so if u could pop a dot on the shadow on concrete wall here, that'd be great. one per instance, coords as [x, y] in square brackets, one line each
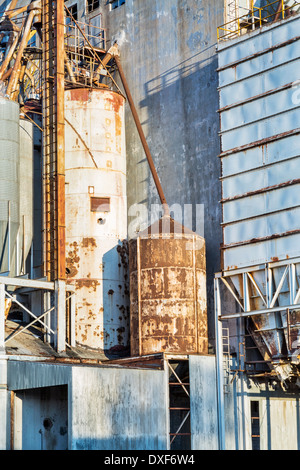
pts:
[182, 121]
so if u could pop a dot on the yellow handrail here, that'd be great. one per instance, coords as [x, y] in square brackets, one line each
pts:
[258, 15]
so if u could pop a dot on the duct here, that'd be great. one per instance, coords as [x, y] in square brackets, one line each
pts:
[33, 9]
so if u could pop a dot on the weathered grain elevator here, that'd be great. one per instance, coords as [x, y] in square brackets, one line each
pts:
[149, 336]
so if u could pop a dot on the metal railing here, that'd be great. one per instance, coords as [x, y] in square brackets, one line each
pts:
[256, 17]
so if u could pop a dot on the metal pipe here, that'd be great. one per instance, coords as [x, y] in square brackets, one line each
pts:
[69, 69]
[11, 7]
[9, 230]
[142, 136]
[9, 55]
[219, 367]
[17, 66]
[110, 53]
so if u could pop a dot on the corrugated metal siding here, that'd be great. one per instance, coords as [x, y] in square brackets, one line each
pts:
[260, 123]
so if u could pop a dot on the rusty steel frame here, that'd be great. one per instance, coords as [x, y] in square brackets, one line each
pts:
[183, 386]
[269, 299]
[63, 295]
[244, 310]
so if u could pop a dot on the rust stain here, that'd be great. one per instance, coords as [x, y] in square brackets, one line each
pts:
[72, 260]
[80, 94]
[89, 242]
[172, 316]
[8, 303]
[116, 101]
[88, 283]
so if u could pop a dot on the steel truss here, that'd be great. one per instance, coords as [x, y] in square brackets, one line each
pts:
[267, 308]
[268, 296]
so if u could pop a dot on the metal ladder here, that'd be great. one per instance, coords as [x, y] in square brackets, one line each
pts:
[53, 138]
[226, 358]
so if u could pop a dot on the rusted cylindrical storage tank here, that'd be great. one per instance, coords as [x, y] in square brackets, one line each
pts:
[167, 290]
[96, 216]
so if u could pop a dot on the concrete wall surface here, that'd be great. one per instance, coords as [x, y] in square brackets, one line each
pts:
[168, 53]
[118, 409]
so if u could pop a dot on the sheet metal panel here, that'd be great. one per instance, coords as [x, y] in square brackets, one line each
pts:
[203, 399]
[119, 409]
[260, 118]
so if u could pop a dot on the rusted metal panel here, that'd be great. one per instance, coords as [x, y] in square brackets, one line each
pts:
[167, 291]
[96, 248]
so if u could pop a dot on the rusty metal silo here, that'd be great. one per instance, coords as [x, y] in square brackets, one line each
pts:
[96, 215]
[168, 290]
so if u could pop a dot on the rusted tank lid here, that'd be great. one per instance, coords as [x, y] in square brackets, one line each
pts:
[167, 226]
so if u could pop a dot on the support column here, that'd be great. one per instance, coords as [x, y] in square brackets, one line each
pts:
[2, 318]
[60, 310]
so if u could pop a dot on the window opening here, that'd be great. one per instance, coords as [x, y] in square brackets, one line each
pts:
[255, 432]
[179, 405]
[116, 3]
[92, 5]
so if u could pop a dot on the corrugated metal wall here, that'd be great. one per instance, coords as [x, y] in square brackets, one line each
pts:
[260, 125]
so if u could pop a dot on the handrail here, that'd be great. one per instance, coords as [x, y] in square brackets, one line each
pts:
[256, 17]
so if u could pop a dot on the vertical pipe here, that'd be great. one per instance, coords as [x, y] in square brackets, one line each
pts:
[2, 318]
[11, 92]
[72, 319]
[60, 122]
[139, 293]
[11, 7]
[12, 419]
[60, 308]
[195, 293]
[241, 334]
[8, 237]
[219, 367]
[9, 55]
[47, 306]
